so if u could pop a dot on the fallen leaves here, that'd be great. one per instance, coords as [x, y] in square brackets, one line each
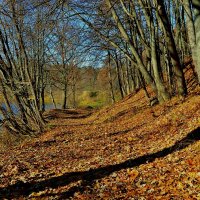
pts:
[105, 140]
[132, 174]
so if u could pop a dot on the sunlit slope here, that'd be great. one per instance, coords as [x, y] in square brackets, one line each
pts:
[128, 150]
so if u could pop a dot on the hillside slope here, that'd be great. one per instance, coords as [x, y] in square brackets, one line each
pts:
[127, 151]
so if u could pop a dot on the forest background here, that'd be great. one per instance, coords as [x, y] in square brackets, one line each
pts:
[90, 53]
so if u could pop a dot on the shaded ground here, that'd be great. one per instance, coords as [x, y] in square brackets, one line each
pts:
[126, 151]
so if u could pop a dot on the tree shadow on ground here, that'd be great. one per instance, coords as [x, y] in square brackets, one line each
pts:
[20, 188]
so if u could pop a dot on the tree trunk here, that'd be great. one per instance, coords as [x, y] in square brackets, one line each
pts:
[43, 98]
[196, 42]
[115, 59]
[110, 78]
[52, 97]
[64, 106]
[180, 79]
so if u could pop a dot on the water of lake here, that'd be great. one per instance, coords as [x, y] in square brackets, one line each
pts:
[15, 109]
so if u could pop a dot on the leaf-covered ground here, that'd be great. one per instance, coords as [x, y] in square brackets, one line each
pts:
[127, 151]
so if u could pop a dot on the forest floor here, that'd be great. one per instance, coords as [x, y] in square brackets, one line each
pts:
[126, 151]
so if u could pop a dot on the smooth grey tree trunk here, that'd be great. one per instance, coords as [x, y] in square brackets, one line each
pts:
[196, 50]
